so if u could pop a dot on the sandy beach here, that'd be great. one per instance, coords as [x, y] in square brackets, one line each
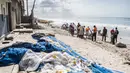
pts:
[103, 53]
[106, 54]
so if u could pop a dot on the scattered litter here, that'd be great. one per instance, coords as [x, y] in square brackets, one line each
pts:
[48, 55]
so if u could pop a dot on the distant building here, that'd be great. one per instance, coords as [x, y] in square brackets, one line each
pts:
[11, 12]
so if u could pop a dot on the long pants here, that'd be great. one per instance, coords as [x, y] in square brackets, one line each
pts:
[72, 32]
[81, 36]
[94, 36]
[104, 38]
[87, 34]
[115, 38]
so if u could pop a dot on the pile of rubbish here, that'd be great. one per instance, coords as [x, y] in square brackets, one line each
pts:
[54, 62]
[48, 55]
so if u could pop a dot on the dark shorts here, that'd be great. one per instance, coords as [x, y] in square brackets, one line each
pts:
[115, 36]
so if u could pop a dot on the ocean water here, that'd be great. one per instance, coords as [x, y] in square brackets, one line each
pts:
[123, 24]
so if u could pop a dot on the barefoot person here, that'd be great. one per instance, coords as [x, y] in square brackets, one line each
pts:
[104, 34]
[94, 33]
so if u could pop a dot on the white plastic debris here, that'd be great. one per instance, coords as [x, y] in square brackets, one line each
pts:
[56, 57]
[30, 61]
[54, 62]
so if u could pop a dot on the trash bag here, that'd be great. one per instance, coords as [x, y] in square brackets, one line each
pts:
[30, 61]
[11, 55]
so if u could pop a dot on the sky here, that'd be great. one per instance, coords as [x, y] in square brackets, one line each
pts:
[81, 8]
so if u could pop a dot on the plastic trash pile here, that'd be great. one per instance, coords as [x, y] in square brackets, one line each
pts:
[54, 62]
[48, 55]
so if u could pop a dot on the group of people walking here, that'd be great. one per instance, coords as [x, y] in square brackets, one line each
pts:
[114, 35]
[88, 33]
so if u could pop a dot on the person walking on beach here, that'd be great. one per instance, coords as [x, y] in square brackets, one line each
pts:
[104, 34]
[112, 36]
[116, 34]
[94, 34]
[71, 29]
[78, 29]
[81, 32]
[87, 32]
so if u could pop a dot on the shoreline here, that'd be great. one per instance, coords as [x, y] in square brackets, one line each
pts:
[99, 37]
[123, 28]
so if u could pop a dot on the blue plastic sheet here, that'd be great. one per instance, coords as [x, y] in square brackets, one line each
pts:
[14, 53]
[11, 55]
[52, 47]
[33, 47]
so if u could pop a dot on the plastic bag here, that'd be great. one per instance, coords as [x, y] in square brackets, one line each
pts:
[30, 61]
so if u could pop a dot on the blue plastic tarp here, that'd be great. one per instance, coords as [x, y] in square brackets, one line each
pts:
[52, 47]
[33, 47]
[11, 55]
[14, 53]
